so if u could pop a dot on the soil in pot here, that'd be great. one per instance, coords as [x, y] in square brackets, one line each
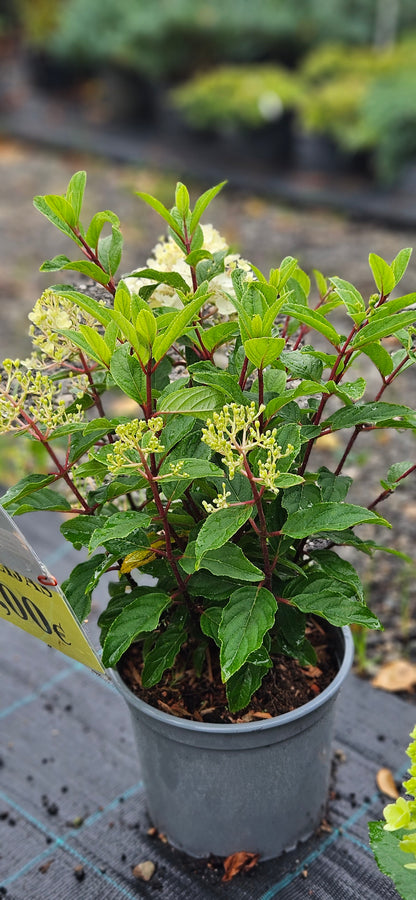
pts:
[287, 686]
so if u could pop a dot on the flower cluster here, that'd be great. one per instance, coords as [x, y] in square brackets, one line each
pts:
[51, 314]
[29, 398]
[168, 257]
[136, 441]
[234, 432]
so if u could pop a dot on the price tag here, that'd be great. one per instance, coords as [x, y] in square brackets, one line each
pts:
[31, 598]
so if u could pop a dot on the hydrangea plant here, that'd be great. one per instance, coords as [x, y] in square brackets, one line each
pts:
[393, 840]
[209, 485]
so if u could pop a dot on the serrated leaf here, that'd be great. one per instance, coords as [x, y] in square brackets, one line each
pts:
[142, 614]
[339, 569]
[391, 860]
[210, 622]
[119, 525]
[78, 530]
[128, 374]
[219, 527]
[373, 413]
[164, 341]
[262, 351]
[75, 587]
[197, 401]
[27, 485]
[80, 265]
[88, 304]
[247, 617]
[228, 560]
[384, 327]
[351, 298]
[44, 499]
[313, 319]
[243, 684]
[336, 608]
[164, 652]
[219, 334]
[328, 516]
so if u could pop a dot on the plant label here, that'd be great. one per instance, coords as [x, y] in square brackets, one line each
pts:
[31, 598]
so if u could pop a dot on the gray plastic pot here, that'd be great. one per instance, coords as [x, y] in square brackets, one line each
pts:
[259, 786]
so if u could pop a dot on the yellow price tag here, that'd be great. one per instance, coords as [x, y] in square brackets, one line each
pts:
[31, 599]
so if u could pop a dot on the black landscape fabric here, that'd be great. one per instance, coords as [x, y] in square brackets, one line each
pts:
[73, 821]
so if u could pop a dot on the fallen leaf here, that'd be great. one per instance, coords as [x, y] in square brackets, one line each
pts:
[386, 783]
[239, 862]
[398, 675]
[45, 866]
[312, 671]
[144, 870]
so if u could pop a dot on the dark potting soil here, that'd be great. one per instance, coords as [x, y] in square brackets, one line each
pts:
[182, 693]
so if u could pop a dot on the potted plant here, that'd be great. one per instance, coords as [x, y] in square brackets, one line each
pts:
[233, 647]
[248, 110]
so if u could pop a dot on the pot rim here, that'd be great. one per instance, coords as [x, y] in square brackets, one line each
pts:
[191, 725]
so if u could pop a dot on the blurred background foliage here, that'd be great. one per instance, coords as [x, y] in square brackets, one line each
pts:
[345, 70]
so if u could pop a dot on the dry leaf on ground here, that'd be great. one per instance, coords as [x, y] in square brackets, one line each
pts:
[398, 675]
[144, 870]
[386, 783]
[239, 862]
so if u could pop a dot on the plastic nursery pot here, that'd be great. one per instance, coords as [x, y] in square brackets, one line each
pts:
[259, 786]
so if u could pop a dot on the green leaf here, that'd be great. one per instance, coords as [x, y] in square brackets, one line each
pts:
[210, 622]
[81, 265]
[219, 334]
[387, 326]
[59, 212]
[128, 374]
[328, 516]
[380, 357]
[78, 529]
[339, 569]
[247, 617]
[110, 250]
[173, 279]
[302, 364]
[219, 527]
[262, 351]
[312, 318]
[198, 401]
[206, 373]
[75, 192]
[164, 341]
[142, 614]
[190, 469]
[164, 651]
[383, 274]
[400, 263]
[44, 499]
[391, 860]
[27, 485]
[373, 413]
[75, 587]
[98, 346]
[96, 226]
[201, 204]
[335, 607]
[243, 684]
[119, 525]
[396, 471]
[159, 208]
[228, 560]
[182, 199]
[88, 304]
[196, 256]
[351, 298]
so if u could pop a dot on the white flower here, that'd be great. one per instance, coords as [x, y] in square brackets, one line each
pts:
[168, 257]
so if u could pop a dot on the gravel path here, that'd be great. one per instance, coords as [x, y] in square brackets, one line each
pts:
[261, 230]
